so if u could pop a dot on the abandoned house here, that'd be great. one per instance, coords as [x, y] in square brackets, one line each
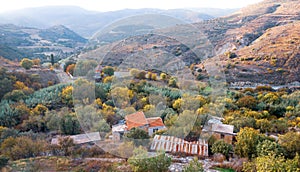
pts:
[220, 131]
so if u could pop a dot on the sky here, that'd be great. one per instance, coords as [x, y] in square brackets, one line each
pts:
[112, 5]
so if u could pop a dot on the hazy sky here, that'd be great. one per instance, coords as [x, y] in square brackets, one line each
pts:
[110, 5]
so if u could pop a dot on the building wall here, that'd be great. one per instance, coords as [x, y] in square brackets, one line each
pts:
[151, 130]
[226, 137]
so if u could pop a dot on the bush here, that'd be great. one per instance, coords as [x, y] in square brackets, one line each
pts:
[26, 63]
[138, 135]
[22, 147]
[222, 147]
[108, 70]
[290, 143]
[247, 101]
[267, 147]
[230, 55]
[247, 140]
[272, 162]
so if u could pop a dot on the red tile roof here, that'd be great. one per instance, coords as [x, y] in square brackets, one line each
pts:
[135, 120]
[138, 119]
[155, 122]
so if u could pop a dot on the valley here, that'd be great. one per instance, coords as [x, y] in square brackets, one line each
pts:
[151, 90]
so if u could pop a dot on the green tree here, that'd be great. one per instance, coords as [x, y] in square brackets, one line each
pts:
[121, 96]
[36, 123]
[291, 143]
[26, 63]
[70, 125]
[247, 140]
[184, 124]
[93, 119]
[8, 115]
[138, 136]
[52, 59]
[53, 119]
[222, 147]
[5, 86]
[137, 133]
[103, 126]
[108, 70]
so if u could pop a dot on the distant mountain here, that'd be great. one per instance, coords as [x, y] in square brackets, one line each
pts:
[86, 23]
[62, 35]
[17, 42]
[216, 12]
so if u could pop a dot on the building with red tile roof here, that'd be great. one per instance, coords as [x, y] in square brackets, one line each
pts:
[138, 120]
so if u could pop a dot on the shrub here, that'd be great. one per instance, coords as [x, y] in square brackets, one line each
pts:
[267, 147]
[230, 54]
[108, 70]
[26, 63]
[247, 101]
[22, 147]
[247, 140]
[222, 147]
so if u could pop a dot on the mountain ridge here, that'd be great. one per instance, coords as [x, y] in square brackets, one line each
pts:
[86, 23]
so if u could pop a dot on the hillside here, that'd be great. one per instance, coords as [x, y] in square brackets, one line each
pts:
[266, 44]
[17, 42]
[273, 58]
[86, 23]
[257, 44]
